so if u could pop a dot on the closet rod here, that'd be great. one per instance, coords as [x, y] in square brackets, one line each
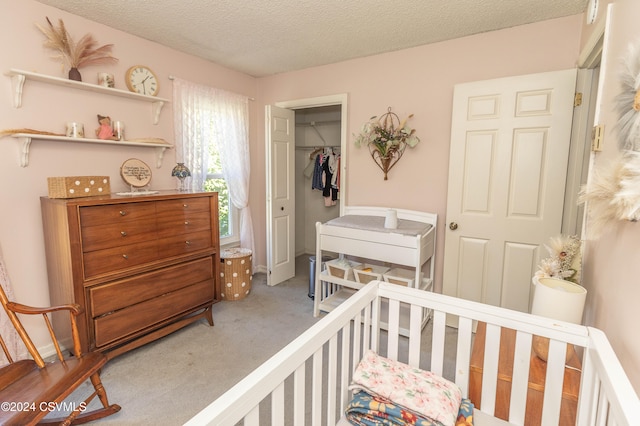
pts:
[314, 123]
[311, 148]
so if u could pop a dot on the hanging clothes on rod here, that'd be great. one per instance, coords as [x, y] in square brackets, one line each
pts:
[309, 168]
[324, 177]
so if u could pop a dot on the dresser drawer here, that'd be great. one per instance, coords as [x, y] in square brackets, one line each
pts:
[176, 224]
[184, 244]
[116, 213]
[184, 205]
[122, 293]
[124, 322]
[115, 259]
[118, 234]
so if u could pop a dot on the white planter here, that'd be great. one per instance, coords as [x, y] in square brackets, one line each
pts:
[558, 299]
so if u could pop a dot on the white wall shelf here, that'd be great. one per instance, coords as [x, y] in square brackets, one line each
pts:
[25, 139]
[18, 77]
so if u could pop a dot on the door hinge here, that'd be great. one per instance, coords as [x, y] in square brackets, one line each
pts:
[577, 99]
[597, 137]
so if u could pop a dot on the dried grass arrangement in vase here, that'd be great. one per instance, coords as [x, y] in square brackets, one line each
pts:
[72, 54]
[386, 137]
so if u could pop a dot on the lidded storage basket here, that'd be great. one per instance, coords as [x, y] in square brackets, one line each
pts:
[236, 273]
[78, 186]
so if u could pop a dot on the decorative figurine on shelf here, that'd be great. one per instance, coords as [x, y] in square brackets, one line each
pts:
[105, 131]
[181, 172]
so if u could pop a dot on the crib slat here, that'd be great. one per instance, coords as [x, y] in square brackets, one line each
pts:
[589, 389]
[345, 376]
[298, 395]
[357, 331]
[437, 342]
[463, 355]
[603, 410]
[316, 389]
[253, 417]
[374, 329]
[490, 369]
[393, 326]
[415, 335]
[332, 372]
[553, 382]
[520, 379]
[368, 339]
[277, 405]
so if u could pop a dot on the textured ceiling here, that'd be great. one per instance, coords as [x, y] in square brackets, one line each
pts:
[265, 37]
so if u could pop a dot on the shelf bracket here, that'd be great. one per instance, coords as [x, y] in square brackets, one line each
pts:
[160, 156]
[157, 108]
[17, 83]
[24, 143]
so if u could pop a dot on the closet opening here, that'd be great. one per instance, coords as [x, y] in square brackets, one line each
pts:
[318, 140]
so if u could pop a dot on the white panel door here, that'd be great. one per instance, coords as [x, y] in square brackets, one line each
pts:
[280, 129]
[507, 169]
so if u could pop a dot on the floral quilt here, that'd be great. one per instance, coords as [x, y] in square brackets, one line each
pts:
[369, 410]
[411, 390]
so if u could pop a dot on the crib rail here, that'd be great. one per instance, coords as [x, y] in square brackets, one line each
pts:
[307, 381]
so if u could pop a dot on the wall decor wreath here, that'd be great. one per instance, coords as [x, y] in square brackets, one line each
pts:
[386, 137]
[613, 192]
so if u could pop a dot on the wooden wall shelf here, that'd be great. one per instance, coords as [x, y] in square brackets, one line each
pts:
[25, 139]
[18, 77]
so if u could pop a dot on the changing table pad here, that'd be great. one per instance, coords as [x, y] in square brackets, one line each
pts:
[376, 223]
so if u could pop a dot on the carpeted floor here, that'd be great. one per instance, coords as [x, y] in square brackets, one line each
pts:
[170, 380]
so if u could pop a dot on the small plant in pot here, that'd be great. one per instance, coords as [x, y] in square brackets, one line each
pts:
[72, 54]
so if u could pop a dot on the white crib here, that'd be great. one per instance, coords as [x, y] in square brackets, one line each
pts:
[306, 382]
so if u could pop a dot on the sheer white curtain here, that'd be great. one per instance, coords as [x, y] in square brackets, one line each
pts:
[204, 115]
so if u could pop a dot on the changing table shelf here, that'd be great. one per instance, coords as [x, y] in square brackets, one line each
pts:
[412, 245]
[347, 288]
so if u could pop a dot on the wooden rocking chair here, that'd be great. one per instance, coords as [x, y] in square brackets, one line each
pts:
[32, 388]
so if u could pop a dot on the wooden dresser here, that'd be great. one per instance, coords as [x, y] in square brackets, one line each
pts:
[140, 266]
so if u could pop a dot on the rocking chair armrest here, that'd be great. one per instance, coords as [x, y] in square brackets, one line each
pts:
[19, 308]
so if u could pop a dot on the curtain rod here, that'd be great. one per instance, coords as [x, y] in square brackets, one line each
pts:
[171, 77]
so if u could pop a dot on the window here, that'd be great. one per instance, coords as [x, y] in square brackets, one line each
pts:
[215, 182]
[212, 130]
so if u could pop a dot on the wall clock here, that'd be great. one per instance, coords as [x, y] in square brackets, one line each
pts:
[141, 79]
[135, 173]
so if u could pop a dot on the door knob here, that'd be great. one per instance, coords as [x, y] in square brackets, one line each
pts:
[453, 226]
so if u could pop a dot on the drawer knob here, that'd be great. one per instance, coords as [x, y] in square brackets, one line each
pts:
[188, 242]
[186, 222]
[123, 213]
[125, 256]
[185, 205]
[123, 233]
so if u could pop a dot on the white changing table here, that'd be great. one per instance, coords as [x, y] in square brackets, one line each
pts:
[412, 246]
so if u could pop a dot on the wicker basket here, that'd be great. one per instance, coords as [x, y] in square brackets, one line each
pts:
[401, 276]
[235, 274]
[342, 268]
[366, 273]
[78, 186]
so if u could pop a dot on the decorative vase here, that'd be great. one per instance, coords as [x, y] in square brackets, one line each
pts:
[74, 74]
[181, 172]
